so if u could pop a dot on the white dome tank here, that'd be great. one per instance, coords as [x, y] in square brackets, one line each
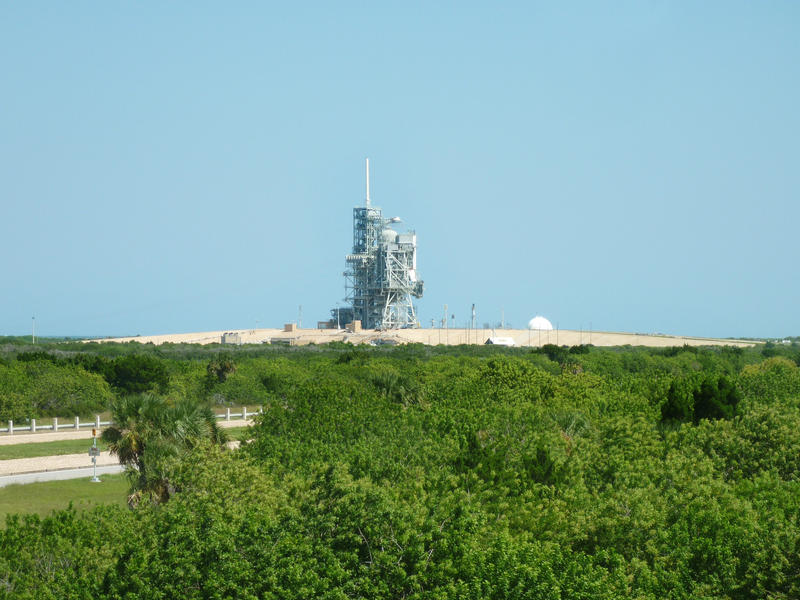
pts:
[539, 323]
[388, 236]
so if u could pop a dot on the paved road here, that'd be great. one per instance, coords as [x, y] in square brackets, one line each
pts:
[57, 475]
[16, 466]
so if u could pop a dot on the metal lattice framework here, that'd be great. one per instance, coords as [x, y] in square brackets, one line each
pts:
[381, 276]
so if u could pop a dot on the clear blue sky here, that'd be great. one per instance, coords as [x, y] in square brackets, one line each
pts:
[190, 166]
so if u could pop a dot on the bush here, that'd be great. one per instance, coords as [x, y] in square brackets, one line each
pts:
[42, 388]
[705, 396]
[137, 373]
[771, 380]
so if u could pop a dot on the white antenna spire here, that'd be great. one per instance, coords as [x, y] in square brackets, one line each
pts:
[367, 182]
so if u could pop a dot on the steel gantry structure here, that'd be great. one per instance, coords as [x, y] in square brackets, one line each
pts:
[381, 277]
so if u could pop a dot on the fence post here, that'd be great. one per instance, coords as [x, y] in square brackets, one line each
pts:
[97, 422]
[55, 424]
[228, 413]
[10, 427]
[244, 413]
[77, 423]
[33, 425]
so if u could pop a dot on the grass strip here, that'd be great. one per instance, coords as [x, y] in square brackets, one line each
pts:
[55, 448]
[42, 498]
[236, 433]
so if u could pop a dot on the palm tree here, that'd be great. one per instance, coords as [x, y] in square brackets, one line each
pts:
[149, 436]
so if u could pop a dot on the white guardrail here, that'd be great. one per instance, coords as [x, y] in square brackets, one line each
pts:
[97, 423]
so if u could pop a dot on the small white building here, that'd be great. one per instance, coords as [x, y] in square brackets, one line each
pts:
[500, 341]
[231, 337]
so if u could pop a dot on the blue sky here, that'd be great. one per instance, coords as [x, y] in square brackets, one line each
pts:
[629, 166]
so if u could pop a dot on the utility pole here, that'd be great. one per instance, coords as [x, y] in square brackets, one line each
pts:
[33, 330]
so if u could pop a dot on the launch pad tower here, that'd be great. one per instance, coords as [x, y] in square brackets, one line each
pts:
[381, 277]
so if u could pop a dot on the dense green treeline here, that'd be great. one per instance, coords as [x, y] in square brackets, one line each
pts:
[71, 378]
[423, 472]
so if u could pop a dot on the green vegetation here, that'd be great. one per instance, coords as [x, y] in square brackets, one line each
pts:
[420, 472]
[43, 498]
[700, 396]
[150, 435]
[238, 433]
[34, 388]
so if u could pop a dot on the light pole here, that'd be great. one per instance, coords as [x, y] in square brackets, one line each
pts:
[33, 330]
[94, 452]
[338, 324]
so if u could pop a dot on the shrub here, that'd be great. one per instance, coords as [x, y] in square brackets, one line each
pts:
[701, 396]
[773, 379]
[137, 373]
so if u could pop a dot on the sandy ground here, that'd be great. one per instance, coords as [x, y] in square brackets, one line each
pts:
[521, 337]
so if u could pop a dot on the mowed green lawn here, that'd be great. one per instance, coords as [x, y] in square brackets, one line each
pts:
[42, 498]
[57, 448]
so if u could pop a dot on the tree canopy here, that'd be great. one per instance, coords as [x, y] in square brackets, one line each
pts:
[424, 472]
